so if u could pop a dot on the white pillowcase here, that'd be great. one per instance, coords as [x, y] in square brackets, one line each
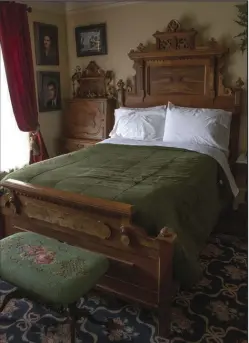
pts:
[139, 123]
[201, 126]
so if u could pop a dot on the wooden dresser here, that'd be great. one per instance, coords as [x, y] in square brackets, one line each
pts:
[89, 116]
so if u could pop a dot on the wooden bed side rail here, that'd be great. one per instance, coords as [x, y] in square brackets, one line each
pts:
[67, 198]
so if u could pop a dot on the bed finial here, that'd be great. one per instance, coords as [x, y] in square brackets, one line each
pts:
[166, 235]
[239, 83]
[121, 92]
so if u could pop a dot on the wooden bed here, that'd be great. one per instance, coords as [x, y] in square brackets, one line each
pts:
[175, 70]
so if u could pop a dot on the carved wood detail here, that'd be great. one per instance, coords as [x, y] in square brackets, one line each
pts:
[175, 69]
[222, 90]
[11, 201]
[125, 239]
[86, 120]
[175, 38]
[93, 82]
[167, 235]
[90, 114]
[77, 221]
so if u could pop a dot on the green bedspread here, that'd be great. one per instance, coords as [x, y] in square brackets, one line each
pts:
[168, 187]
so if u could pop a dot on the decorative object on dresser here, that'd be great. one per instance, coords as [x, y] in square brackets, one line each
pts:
[49, 94]
[91, 40]
[89, 117]
[46, 44]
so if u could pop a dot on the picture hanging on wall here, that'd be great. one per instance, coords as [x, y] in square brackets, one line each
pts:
[46, 44]
[91, 40]
[49, 93]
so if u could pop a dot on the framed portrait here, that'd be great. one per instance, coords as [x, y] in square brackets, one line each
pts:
[91, 40]
[49, 92]
[46, 44]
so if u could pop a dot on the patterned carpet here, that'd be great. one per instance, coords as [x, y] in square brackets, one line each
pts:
[214, 311]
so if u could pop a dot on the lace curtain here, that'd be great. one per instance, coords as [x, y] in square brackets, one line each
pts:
[14, 144]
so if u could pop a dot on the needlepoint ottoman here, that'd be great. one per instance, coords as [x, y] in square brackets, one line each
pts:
[50, 271]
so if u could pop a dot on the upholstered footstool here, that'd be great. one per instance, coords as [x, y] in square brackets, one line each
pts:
[48, 271]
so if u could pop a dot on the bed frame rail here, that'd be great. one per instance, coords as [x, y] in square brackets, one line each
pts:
[140, 265]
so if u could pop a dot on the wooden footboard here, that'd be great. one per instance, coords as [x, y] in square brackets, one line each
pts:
[140, 266]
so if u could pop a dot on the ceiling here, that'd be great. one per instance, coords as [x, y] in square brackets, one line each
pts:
[60, 6]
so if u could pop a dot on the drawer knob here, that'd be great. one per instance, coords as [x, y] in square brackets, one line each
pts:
[125, 239]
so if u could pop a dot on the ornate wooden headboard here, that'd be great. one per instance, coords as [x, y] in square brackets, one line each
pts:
[175, 69]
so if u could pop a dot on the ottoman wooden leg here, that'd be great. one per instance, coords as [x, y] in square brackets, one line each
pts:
[164, 320]
[72, 322]
[72, 329]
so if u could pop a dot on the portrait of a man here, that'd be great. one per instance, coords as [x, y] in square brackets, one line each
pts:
[46, 44]
[51, 95]
[49, 91]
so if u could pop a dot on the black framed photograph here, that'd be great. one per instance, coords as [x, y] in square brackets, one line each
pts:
[49, 92]
[46, 44]
[91, 40]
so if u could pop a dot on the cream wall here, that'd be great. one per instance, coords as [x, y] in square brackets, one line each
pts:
[129, 25]
[51, 121]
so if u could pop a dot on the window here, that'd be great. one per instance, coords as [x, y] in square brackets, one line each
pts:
[14, 144]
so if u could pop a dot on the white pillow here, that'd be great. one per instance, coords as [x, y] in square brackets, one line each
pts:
[144, 108]
[139, 123]
[201, 126]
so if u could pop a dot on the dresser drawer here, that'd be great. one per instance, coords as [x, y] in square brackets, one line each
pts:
[87, 119]
[77, 144]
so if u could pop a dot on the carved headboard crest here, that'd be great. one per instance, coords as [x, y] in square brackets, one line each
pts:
[175, 38]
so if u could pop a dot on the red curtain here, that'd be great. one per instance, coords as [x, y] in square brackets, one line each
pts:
[17, 55]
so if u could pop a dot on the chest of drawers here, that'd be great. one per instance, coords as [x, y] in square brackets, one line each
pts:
[87, 121]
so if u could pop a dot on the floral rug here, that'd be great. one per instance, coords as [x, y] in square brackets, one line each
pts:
[214, 311]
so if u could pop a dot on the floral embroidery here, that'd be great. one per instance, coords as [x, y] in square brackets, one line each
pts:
[38, 254]
[73, 267]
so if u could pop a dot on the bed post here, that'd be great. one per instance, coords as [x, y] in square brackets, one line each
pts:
[165, 280]
[121, 93]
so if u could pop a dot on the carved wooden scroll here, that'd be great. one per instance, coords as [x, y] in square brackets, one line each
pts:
[68, 218]
[174, 38]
